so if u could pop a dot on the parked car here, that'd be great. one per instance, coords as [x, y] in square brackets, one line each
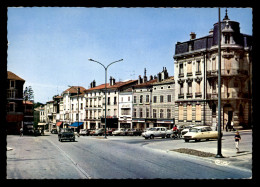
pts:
[155, 132]
[84, 132]
[66, 134]
[200, 132]
[137, 132]
[91, 132]
[54, 131]
[99, 132]
[118, 132]
[186, 129]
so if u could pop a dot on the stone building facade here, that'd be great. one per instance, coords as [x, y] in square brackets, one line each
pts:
[153, 101]
[196, 77]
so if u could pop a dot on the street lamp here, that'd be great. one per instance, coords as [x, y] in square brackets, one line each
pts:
[105, 67]
[219, 155]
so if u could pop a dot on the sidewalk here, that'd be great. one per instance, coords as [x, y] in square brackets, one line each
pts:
[243, 159]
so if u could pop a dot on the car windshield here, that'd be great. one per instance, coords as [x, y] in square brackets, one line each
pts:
[66, 130]
[194, 130]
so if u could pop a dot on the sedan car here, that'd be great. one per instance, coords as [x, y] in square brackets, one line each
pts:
[200, 132]
[118, 132]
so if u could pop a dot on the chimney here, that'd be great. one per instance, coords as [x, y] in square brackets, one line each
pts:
[211, 32]
[110, 81]
[159, 77]
[151, 77]
[192, 36]
[145, 78]
[94, 83]
[91, 85]
[140, 80]
[113, 81]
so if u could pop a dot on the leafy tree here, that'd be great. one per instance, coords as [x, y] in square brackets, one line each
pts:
[28, 94]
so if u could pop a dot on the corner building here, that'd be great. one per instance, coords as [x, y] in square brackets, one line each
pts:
[196, 77]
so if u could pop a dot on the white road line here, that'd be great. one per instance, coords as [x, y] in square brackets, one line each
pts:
[77, 166]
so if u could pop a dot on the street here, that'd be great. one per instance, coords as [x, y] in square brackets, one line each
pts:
[124, 157]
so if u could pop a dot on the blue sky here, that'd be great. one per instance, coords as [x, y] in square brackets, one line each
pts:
[49, 47]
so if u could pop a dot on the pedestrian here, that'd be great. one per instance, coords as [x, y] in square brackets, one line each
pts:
[21, 131]
[227, 126]
[237, 139]
[232, 126]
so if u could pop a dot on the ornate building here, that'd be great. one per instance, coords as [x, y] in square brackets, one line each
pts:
[196, 77]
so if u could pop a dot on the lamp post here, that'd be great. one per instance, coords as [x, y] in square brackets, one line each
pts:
[219, 155]
[105, 67]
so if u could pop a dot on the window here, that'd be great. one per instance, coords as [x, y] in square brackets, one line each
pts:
[180, 112]
[189, 88]
[198, 112]
[214, 64]
[198, 87]
[168, 113]
[128, 98]
[134, 99]
[161, 113]
[140, 112]
[134, 112]
[141, 99]
[154, 113]
[147, 112]
[115, 101]
[147, 99]
[11, 107]
[108, 101]
[154, 99]
[198, 68]
[161, 99]
[181, 69]
[169, 98]
[189, 112]
[81, 106]
[12, 83]
[189, 68]
[72, 106]
[181, 88]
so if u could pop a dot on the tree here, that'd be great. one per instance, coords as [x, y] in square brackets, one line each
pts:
[28, 94]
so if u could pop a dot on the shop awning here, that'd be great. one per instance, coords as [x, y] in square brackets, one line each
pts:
[76, 124]
[58, 124]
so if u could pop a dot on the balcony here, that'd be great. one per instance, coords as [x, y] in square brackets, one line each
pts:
[198, 94]
[181, 96]
[189, 95]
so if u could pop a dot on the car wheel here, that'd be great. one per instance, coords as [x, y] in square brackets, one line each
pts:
[168, 135]
[186, 140]
[151, 136]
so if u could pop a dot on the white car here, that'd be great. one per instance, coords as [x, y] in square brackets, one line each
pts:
[155, 132]
[200, 132]
[118, 132]
[186, 129]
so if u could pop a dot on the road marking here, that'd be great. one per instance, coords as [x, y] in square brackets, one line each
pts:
[222, 163]
[77, 166]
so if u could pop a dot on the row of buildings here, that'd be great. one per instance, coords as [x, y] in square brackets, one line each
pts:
[188, 97]
[137, 103]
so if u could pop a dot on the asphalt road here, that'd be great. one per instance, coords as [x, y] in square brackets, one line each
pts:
[44, 157]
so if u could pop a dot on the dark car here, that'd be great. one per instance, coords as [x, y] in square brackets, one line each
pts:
[54, 131]
[66, 134]
[137, 132]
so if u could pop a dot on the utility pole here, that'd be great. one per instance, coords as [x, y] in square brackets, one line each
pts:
[219, 154]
